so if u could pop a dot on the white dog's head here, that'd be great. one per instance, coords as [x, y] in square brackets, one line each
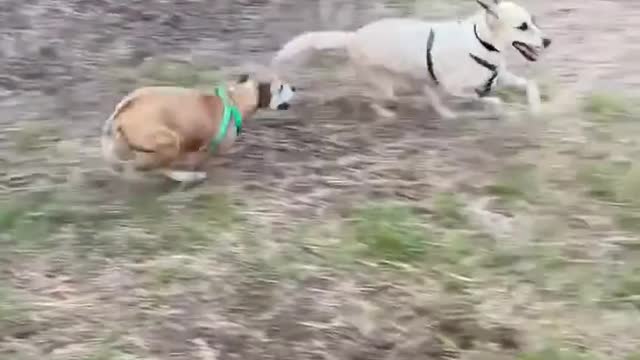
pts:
[512, 24]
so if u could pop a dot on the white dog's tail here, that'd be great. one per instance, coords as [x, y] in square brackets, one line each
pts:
[301, 46]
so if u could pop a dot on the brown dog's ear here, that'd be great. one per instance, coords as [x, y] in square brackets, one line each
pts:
[243, 78]
[264, 94]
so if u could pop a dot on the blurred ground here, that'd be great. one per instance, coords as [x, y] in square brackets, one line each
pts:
[331, 235]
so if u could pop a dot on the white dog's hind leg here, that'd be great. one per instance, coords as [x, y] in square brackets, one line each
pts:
[436, 103]
[381, 87]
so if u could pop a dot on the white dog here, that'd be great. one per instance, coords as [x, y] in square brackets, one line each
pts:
[463, 58]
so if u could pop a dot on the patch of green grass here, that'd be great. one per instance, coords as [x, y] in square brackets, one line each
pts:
[31, 136]
[628, 188]
[391, 232]
[456, 258]
[602, 180]
[457, 247]
[556, 354]
[626, 288]
[606, 107]
[449, 210]
[628, 219]
[162, 72]
[23, 224]
[12, 314]
[82, 225]
[165, 272]
[216, 210]
[618, 184]
[634, 356]
[105, 352]
[516, 183]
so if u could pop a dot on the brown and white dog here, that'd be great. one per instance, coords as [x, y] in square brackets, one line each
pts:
[175, 130]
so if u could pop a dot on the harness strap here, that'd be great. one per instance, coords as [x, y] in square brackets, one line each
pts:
[229, 110]
[486, 45]
[486, 87]
[430, 40]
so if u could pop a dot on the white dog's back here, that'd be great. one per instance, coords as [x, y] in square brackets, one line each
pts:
[400, 56]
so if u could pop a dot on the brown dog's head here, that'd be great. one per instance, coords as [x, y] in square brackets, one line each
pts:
[274, 94]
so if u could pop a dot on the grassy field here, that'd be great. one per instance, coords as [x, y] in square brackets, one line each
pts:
[536, 260]
[333, 236]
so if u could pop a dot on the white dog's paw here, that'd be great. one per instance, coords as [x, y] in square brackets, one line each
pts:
[533, 98]
[494, 103]
[446, 113]
[382, 111]
[185, 176]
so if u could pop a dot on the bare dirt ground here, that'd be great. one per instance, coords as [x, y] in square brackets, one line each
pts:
[331, 235]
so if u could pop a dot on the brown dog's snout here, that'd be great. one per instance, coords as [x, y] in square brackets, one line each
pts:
[546, 42]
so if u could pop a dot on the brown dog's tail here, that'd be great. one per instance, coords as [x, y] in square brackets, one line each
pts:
[109, 135]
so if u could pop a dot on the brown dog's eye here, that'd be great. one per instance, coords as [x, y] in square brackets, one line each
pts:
[523, 27]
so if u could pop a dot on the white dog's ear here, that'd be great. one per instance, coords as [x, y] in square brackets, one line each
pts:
[489, 6]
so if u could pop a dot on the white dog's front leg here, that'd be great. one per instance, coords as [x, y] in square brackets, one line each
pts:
[493, 102]
[508, 79]
[436, 103]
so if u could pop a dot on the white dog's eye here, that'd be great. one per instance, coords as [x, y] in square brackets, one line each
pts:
[523, 27]
[281, 88]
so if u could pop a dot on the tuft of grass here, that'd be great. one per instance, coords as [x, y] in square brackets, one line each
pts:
[170, 73]
[23, 224]
[12, 315]
[107, 353]
[628, 188]
[556, 354]
[602, 180]
[606, 107]
[627, 288]
[33, 136]
[456, 258]
[216, 210]
[516, 183]
[449, 210]
[628, 219]
[391, 232]
[162, 72]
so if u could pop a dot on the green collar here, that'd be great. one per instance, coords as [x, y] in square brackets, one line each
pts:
[229, 111]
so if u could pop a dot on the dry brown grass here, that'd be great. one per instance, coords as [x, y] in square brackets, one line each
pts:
[334, 236]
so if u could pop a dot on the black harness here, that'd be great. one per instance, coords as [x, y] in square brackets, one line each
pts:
[432, 36]
[483, 90]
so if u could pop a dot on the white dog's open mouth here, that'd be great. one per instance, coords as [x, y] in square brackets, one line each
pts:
[527, 51]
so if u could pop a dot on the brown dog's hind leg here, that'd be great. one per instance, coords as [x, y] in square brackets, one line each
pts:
[161, 147]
